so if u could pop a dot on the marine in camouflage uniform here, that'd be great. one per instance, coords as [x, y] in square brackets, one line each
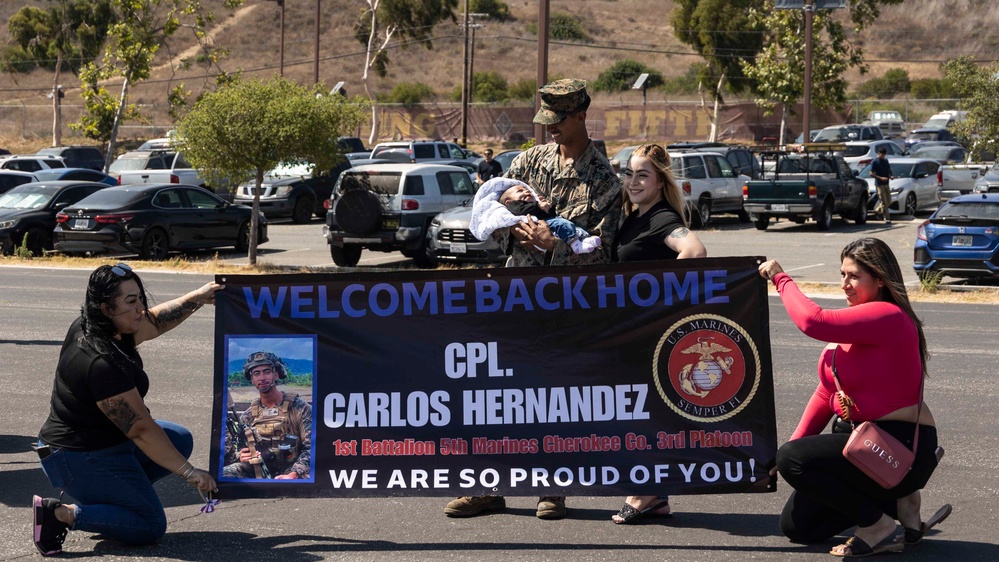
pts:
[282, 427]
[583, 188]
[585, 191]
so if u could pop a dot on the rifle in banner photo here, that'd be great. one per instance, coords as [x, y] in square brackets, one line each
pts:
[244, 438]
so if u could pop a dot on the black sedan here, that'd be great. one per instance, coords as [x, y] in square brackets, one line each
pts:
[153, 220]
[28, 212]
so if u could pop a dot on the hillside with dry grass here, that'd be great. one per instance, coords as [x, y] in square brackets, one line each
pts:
[916, 35]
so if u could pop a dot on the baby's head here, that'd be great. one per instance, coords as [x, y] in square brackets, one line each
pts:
[516, 193]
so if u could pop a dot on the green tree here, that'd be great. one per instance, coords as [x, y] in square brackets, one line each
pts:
[486, 87]
[58, 38]
[776, 73]
[248, 127]
[385, 24]
[723, 33]
[895, 81]
[497, 9]
[622, 74]
[140, 27]
[978, 86]
[563, 27]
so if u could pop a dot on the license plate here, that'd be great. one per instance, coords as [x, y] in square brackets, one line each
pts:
[390, 223]
[458, 248]
[960, 240]
[81, 224]
[778, 207]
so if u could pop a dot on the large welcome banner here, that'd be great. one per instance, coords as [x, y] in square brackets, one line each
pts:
[634, 378]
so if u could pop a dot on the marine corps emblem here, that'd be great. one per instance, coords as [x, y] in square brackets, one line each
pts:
[706, 368]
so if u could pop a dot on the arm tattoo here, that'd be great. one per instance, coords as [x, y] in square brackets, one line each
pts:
[175, 313]
[119, 412]
[681, 232]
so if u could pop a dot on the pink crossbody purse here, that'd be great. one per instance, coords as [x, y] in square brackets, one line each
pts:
[873, 450]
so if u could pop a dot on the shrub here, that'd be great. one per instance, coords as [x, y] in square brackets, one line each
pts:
[685, 84]
[523, 89]
[563, 27]
[895, 81]
[410, 93]
[497, 9]
[623, 74]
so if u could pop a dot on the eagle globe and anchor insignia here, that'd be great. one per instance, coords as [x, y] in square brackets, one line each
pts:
[706, 368]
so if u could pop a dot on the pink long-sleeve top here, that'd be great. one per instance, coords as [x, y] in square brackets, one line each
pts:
[878, 362]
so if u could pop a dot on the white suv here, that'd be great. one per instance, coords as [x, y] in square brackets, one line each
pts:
[31, 162]
[389, 207]
[419, 151]
[710, 185]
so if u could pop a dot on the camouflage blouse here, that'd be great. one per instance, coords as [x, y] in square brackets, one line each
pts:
[588, 193]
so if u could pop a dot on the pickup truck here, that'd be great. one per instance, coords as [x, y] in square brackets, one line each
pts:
[813, 184]
[959, 179]
[154, 166]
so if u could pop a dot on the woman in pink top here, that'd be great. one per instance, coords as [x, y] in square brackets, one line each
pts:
[881, 360]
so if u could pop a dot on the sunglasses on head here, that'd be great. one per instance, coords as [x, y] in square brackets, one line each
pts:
[121, 270]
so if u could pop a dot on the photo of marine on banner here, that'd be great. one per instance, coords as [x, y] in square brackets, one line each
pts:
[642, 377]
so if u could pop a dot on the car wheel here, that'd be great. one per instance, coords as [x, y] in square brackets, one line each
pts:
[155, 245]
[359, 211]
[243, 237]
[37, 241]
[762, 222]
[420, 256]
[860, 214]
[703, 212]
[302, 213]
[345, 256]
[910, 205]
[825, 216]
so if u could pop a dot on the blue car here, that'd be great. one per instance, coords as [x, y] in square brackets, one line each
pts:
[75, 174]
[961, 239]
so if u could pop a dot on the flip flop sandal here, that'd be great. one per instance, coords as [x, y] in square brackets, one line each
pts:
[858, 548]
[914, 536]
[629, 514]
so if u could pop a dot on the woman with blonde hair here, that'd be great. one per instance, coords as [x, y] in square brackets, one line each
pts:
[655, 228]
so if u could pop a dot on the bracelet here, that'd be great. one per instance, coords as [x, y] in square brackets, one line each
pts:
[182, 468]
[189, 473]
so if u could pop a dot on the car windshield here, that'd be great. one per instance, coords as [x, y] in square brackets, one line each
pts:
[27, 197]
[933, 152]
[125, 164]
[901, 170]
[838, 134]
[853, 151]
[506, 158]
[111, 198]
[981, 210]
[939, 122]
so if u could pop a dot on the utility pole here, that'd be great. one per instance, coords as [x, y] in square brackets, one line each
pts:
[465, 93]
[806, 124]
[539, 130]
[315, 67]
[280, 4]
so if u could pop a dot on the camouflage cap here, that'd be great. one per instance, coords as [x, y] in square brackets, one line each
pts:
[560, 99]
[259, 358]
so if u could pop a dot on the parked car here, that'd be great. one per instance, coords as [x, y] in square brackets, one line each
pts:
[420, 151]
[142, 160]
[152, 220]
[740, 157]
[959, 239]
[945, 119]
[389, 207]
[165, 143]
[10, 179]
[506, 157]
[292, 191]
[890, 122]
[989, 182]
[176, 170]
[77, 156]
[692, 145]
[28, 212]
[353, 148]
[928, 134]
[710, 185]
[942, 154]
[913, 186]
[450, 240]
[812, 133]
[620, 160]
[75, 174]
[851, 132]
[30, 162]
[858, 154]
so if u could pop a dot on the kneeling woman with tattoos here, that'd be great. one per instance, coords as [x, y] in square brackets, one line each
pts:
[655, 228]
[100, 443]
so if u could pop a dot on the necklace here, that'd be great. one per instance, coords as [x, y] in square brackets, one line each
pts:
[122, 351]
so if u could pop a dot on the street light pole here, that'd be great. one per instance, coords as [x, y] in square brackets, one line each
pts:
[465, 85]
[806, 124]
[281, 63]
